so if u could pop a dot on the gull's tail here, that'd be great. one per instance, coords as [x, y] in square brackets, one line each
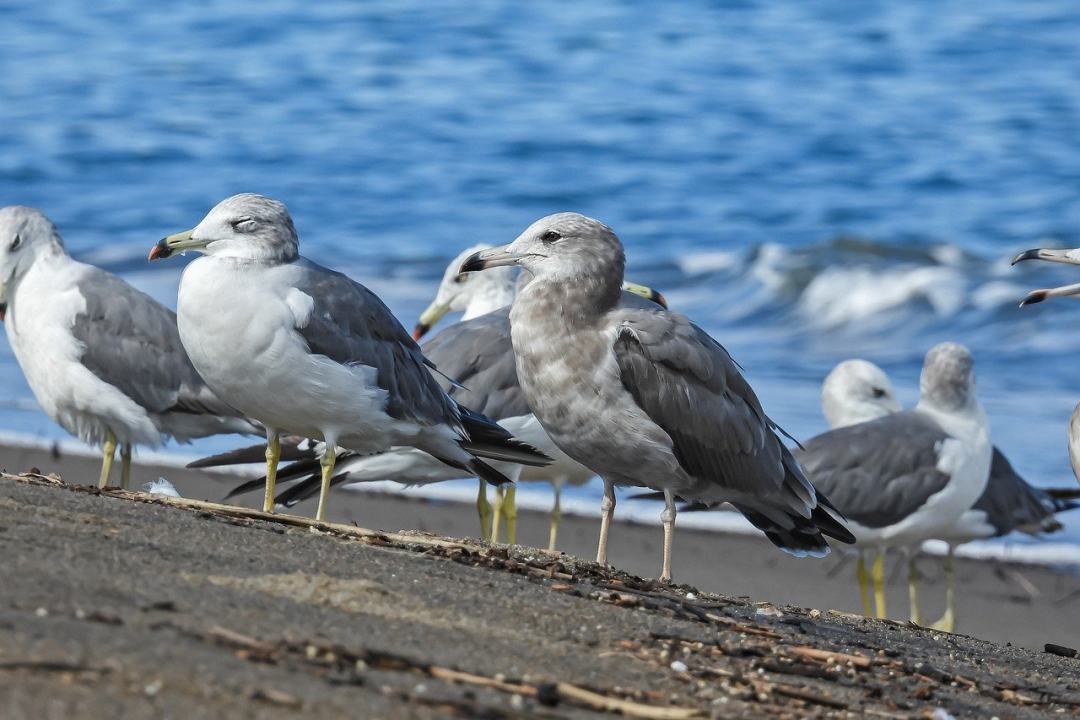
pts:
[292, 448]
[487, 439]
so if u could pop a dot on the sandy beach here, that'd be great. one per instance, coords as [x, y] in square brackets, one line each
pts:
[1027, 605]
[124, 605]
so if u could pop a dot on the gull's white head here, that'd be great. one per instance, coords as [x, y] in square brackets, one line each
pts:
[565, 247]
[471, 293]
[947, 382]
[857, 391]
[246, 226]
[25, 235]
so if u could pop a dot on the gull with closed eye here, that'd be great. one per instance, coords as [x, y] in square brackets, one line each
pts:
[308, 351]
[104, 360]
[642, 396]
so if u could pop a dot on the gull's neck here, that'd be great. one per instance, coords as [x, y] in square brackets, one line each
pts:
[490, 296]
[967, 423]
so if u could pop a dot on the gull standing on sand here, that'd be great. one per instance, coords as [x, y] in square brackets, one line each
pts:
[478, 353]
[642, 396]
[908, 476]
[858, 391]
[306, 350]
[104, 360]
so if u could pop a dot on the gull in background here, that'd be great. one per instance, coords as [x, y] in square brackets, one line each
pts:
[642, 396]
[104, 360]
[306, 350]
[907, 476]
[859, 391]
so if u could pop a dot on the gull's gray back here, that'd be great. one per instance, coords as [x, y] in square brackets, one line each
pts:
[350, 325]
[478, 355]
[879, 472]
[132, 343]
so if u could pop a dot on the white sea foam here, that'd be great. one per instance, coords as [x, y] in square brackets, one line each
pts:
[841, 295]
[699, 263]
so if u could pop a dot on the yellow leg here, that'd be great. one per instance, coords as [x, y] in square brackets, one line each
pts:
[107, 453]
[864, 586]
[273, 454]
[879, 585]
[510, 513]
[556, 514]
[948, 620]
[497, 513]
[913, 589]
[125, 465]
[328, 461]
[483, 509]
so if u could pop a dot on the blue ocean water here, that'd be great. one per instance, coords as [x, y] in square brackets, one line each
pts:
[809, 181]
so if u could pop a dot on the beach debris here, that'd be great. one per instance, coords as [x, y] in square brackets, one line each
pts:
[161, 486]
[1061, 650]
[836, 665]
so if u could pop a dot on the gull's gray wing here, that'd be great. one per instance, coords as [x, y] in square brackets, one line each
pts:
[879, 472]
[350, 325]
[688, 385]
[691, 388]
[1010, 503]
[132, 343]
[479, 355]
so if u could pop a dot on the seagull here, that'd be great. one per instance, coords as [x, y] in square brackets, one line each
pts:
[908, 476]
[859, 391]
[306, 350]
[103, 359]
[642, 396]
[478, 353]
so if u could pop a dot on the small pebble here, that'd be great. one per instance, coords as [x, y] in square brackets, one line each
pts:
[41, 612]
[153, 688]
[679, 666]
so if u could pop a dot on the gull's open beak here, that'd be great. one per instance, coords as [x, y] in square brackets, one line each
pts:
[434, 313]
[646, 292]
[1070, 257]
[174, 244]
[493, 257]
[1037, 296]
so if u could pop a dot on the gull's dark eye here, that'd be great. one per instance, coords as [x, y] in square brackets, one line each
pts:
[878, 392]
[15, 242]
[460, 279]
[551, 236]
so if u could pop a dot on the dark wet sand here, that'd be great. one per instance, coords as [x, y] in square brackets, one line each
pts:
[115, 606]
[1025, 605]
